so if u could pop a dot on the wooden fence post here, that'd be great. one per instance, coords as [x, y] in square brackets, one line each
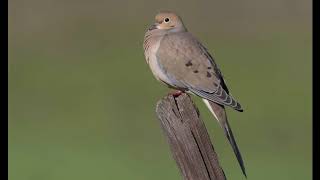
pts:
[188, 139]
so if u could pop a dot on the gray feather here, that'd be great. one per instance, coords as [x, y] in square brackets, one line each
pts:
[188, 65]
[219, 112]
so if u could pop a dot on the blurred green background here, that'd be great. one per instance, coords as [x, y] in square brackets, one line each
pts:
[82, 99]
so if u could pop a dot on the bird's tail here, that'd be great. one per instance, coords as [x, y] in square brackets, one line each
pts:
[220, 114]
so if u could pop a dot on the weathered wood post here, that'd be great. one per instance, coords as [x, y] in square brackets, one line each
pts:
[188, 139]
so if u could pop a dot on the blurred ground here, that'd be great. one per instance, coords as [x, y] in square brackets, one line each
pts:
[82, 99]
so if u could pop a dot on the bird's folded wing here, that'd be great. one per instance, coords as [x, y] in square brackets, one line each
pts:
[188, 64]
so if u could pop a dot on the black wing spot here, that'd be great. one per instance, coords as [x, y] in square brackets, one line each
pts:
[189, 64]
[195, 71]
[209, 68]
[208, 74]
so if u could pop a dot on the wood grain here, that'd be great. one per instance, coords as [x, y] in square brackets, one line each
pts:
[188, 139]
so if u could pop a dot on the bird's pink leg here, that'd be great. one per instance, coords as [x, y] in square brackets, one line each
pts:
[175, 93]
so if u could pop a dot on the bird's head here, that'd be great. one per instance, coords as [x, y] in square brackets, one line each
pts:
[166, 20]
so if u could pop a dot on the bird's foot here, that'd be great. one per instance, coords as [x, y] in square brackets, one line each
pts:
[175, 93]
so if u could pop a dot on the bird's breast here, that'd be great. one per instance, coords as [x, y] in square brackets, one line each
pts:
[154, 65]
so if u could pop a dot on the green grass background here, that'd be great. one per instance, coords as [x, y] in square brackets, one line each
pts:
[82, 99]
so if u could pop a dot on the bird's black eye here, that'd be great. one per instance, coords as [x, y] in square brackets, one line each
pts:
[166, 20]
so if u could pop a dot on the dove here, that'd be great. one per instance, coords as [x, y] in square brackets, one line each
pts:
[178, 60]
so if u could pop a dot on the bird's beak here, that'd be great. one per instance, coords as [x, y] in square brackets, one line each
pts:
[153, 26]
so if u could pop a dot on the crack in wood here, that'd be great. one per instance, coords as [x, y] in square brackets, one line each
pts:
[204, 162]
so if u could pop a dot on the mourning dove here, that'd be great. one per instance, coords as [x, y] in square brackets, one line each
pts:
[180, 61]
